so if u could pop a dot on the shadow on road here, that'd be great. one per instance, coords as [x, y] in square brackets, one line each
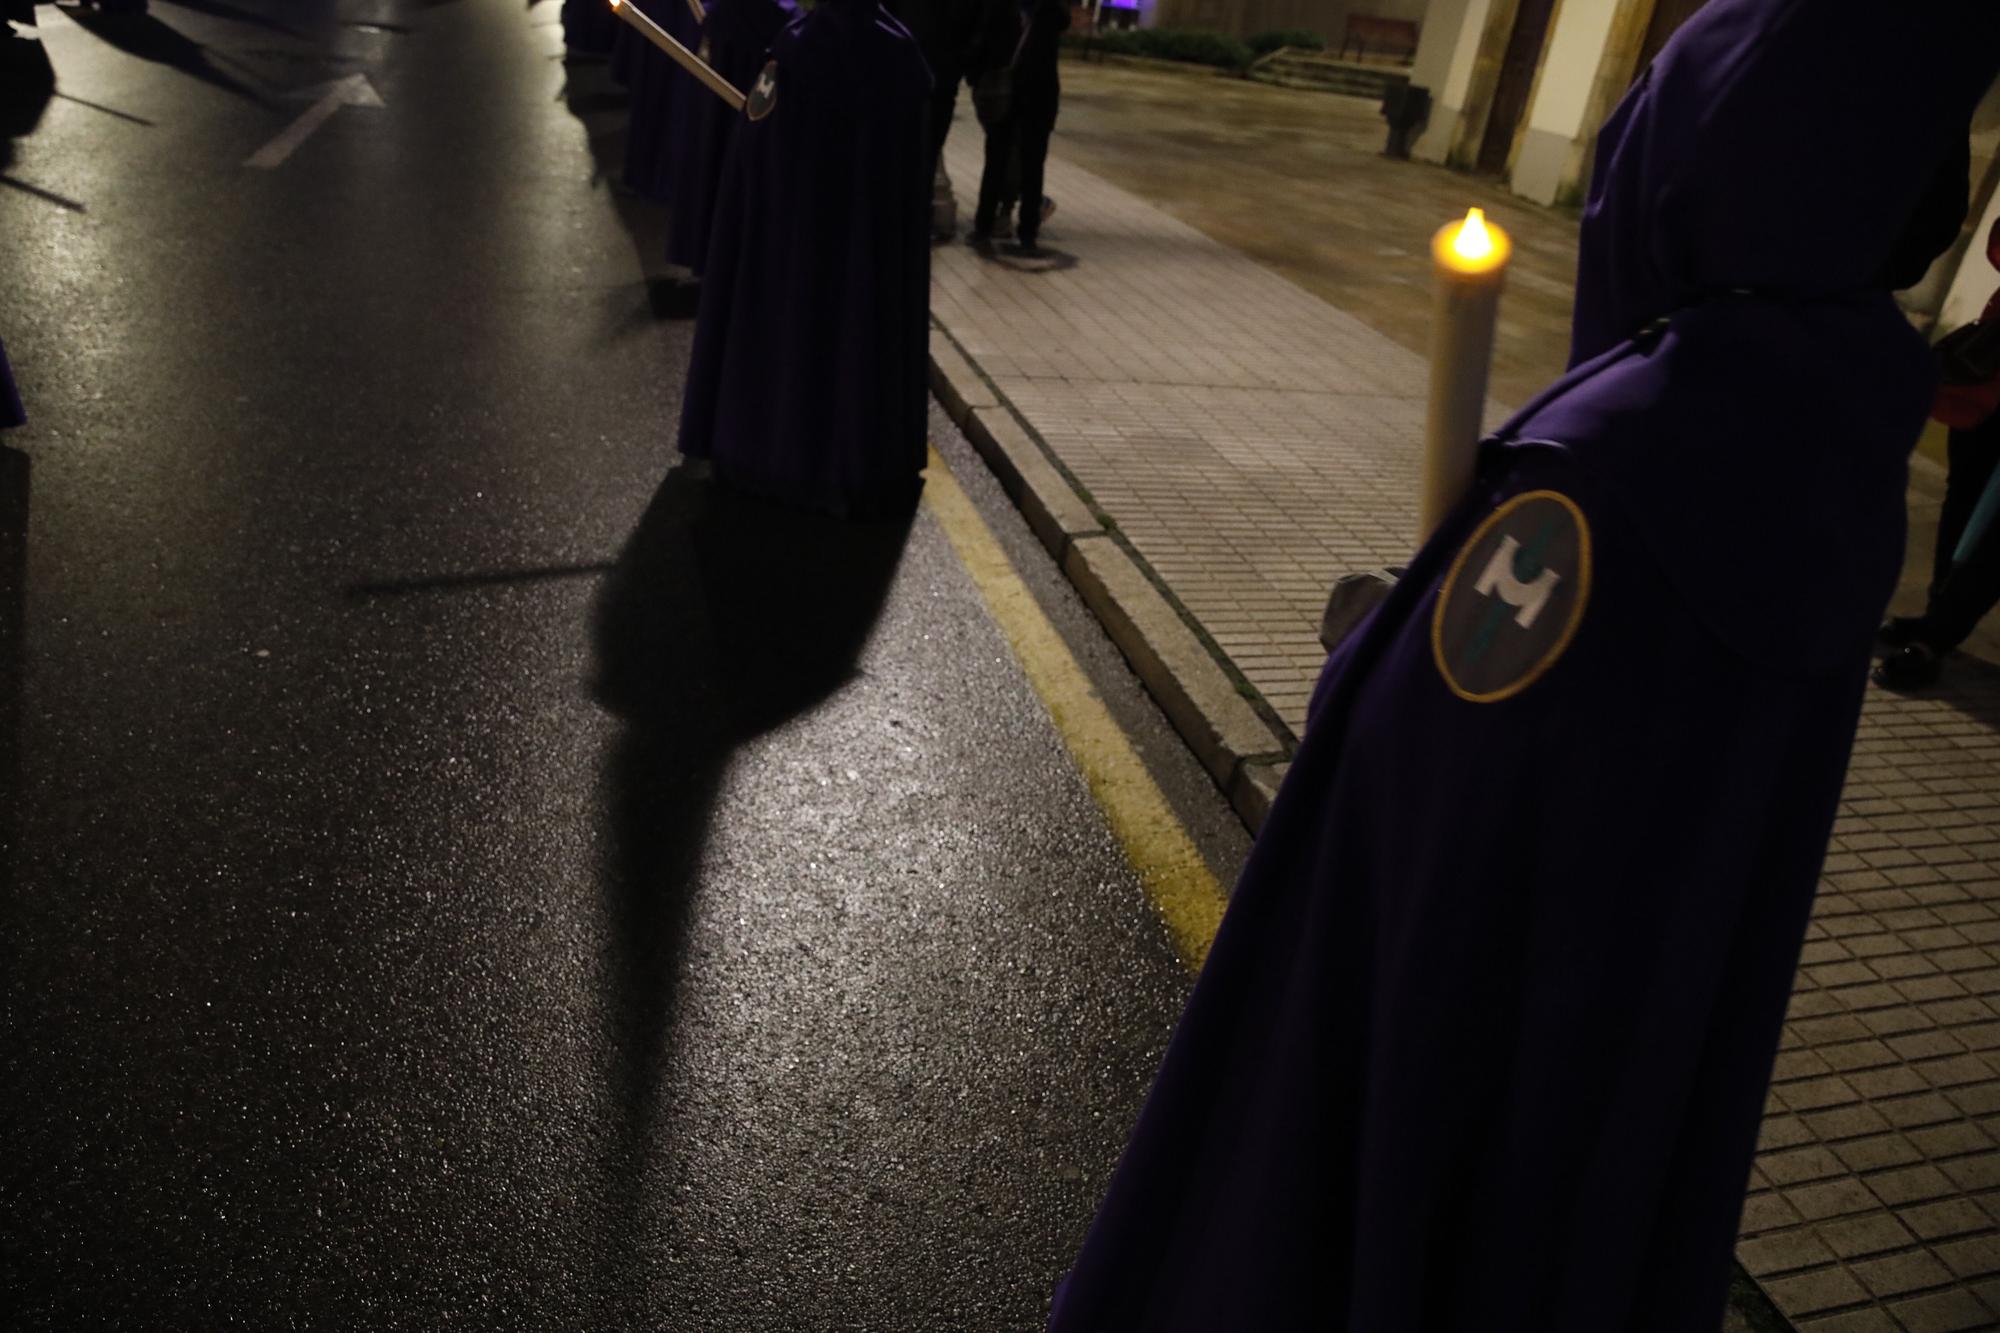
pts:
[604, 110]
[148, 38]
[724, 617]
[218, 9]
[27, 84]
[13, 626]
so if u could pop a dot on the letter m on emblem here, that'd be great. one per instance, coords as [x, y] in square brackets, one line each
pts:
[1503, 579]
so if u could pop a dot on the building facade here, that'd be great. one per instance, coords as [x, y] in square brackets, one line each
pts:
[1519, 88]
[1245, 18]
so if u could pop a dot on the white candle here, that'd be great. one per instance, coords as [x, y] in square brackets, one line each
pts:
[1470, 266]
[685, 58]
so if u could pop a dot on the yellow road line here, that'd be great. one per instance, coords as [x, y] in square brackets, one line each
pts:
[1176, 879]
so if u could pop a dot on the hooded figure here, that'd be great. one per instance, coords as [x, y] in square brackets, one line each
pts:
[1484, 1039]
[589, 27]
[11, 411]
[735, 38]
[808, 381]
[655, 82]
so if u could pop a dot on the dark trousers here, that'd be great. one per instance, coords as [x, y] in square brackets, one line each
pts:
[1017, 154]
[944, 104]
[1961, 596]
[1032, 129]
[996, 183]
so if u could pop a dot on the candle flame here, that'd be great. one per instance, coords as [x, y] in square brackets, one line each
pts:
[1472, 246]
[1473, 241]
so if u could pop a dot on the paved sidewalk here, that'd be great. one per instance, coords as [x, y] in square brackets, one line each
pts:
[1245, 442]
[1202, 404]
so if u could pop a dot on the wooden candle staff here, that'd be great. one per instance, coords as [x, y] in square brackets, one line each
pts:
[683, 57]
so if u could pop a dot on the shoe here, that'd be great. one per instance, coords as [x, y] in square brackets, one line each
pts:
[1027, 249]
[1901, 631]
[1911, 667]
[979, 238]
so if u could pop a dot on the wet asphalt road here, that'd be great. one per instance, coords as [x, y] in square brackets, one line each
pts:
[448, 875]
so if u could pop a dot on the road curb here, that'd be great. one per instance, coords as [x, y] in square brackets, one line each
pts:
[1244, 755]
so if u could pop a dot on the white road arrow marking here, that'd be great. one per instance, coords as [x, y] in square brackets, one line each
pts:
[354, 90]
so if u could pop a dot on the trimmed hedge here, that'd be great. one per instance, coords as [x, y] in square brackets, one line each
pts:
[1300, 39]
[1187, 45]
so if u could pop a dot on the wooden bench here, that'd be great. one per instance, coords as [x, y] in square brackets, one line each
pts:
[1387, 37]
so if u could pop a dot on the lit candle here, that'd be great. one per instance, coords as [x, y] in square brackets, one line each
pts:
[683, 57]
[1470, 265]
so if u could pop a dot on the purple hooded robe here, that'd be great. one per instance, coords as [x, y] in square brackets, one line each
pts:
[589, 27]
[735, 38]
[809, 377]
[654, 79]
[1484, 1039]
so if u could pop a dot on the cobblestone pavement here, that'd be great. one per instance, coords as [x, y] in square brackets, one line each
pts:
[1250, 441]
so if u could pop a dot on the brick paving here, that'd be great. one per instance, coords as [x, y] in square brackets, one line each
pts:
[1249, 441]
[1203, 403]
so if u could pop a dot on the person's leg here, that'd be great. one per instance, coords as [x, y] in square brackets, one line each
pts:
[1034, 149]
[993, 180]
[1971, 459]
[1970, 589]
[1961, 594]
[944, 105]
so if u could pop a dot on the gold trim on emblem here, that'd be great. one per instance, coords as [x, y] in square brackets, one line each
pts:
[1450, 583]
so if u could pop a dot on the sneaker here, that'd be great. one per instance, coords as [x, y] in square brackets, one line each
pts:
[1911, 667]
[1901, 631]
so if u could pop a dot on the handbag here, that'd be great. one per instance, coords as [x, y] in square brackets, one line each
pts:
[1970, 354]
[993, 89]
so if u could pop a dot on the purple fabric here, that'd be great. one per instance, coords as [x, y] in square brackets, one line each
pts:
[808, 379]
[627, 47]
[737, 35]
[11, 411]
[655, 80]
[589, 26]
[1484, 1039]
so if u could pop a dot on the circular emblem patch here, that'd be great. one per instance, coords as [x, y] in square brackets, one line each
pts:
[1514, 597]
[763, 98]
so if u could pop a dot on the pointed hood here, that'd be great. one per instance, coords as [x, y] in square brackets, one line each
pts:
[1762, 150]
[1757, 195]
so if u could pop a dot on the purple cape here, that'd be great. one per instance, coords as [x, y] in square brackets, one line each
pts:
[589, 26]
[655, 79]
[11, 411]
[808, 379]
[627, 47]
[736, 36]
[1484, 1039]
